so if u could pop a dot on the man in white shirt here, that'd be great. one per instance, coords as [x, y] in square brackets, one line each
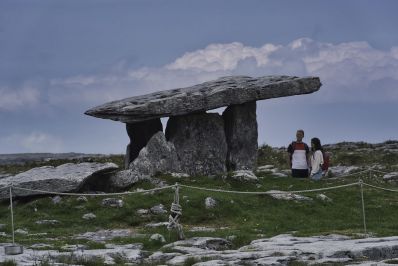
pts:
[299, 156]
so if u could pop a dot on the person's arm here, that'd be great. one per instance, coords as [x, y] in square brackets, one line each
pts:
[289, 155]
[308, 155]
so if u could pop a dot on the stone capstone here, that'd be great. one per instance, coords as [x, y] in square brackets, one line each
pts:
[241, 134]
[140, 133]
[209, 95]
[200, 143]
[64, 178]
[157, 156]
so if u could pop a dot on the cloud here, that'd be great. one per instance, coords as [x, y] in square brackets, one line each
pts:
[32, 142]
[350, 72]
[16, 98]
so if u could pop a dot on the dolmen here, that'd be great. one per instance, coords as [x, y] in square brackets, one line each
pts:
[197, 142]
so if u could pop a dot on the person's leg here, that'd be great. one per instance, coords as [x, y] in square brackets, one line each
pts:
[300, 173]
[317, 176]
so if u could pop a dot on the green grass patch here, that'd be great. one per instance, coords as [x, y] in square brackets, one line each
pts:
[245, 217]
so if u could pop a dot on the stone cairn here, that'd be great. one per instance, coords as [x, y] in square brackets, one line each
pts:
[196, 142]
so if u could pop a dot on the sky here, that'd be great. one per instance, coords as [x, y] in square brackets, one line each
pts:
[60, 58]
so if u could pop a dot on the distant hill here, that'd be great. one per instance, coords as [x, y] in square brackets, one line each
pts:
[21, 158]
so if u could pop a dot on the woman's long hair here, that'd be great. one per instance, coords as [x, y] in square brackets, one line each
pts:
[317, 144]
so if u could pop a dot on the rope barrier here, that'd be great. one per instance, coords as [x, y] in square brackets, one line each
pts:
[88, 194]
[176, 209]
[381, 188]
[267, 192]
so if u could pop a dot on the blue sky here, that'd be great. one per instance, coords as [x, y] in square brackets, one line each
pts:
[60, 58]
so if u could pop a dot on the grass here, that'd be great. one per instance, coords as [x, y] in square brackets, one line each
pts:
[246, 217]
[8, 263]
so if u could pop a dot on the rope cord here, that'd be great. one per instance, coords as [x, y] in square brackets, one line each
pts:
[267, 192]
[83, 194]
[381, 188]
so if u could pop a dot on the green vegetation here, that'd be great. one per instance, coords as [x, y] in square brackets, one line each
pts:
[8, 263]
[246, 217]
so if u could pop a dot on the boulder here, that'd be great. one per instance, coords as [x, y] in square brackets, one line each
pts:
[393, 176]
[209, 95]
[113, 202]
[158, 209]
[241, 134]
[89, 216]
[244, 175]
[140, 133]
[200, 143]
[158, 156]
[157, 238]
[64, 178]
[210, 203]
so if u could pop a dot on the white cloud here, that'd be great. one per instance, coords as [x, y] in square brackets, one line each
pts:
[32, 142]
[224, 57]
[352, 71]
[16, 98]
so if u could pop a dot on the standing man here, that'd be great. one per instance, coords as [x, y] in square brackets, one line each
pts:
[299, 155]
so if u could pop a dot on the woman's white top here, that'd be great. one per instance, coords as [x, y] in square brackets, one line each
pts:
[316, 161]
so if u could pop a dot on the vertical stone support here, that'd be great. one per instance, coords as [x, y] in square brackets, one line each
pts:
[200, 142]
[241, 133]
[140, 133]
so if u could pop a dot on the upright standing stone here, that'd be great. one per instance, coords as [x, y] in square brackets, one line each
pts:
[200, 142]
[140, 133]
[241, 134]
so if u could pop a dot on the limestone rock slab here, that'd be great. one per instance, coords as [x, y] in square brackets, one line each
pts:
[158, 156]
[63, 178]
[241, 134]
[200, 143]
[209, 95]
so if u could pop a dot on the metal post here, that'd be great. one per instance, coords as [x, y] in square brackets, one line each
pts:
[363, 206]
[12, 217]
[13, 249]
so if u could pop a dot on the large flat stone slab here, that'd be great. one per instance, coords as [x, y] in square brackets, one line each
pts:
[202, 97]
[63, 178]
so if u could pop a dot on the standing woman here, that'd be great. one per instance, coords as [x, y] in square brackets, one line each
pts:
[316, 159]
